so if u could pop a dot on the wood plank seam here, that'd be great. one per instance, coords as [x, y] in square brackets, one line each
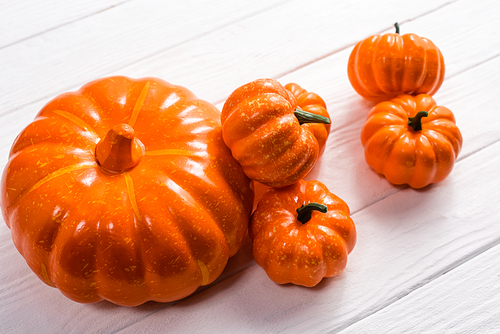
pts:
[62, 25]
[151, 55]
[472, 67]
[196, 37]
[429, 279]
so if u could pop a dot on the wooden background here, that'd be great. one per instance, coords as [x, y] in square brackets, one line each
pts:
[425, 261]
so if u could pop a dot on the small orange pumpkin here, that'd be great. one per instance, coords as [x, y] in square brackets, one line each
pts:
[411, 140]
[302, 233]
[381, 67]
[125, 191]
[276, 133]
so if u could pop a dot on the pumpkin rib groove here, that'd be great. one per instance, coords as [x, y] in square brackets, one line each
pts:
[314, 246]
[131, 195]
[251, 147]
[197, 187]
[58, 277]
[272, 237]
[53, 175]
[423, 73]
[96, 105]
[449, 133]
[330, 237]
[175, 152]
[78, 121]
[191, 241]
[358, 60]
[384, 149]
[52, 136]
[423, 174]
[139, 104]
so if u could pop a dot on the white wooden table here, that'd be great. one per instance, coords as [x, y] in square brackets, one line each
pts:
[425, 261]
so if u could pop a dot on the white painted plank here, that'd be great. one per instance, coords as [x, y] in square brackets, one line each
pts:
[249, 301]
[463, 300]
[178, 42]
[84, 50]
[404, 241]
[44, 16]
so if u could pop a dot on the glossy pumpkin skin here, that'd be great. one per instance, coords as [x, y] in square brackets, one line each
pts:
[125, 191]
[301, 253]
[404, 155]
[381, 67]
[265, 136]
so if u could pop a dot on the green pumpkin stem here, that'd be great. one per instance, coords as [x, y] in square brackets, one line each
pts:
[416, 121]
[309, 117]
[397, 27]
[305, 211]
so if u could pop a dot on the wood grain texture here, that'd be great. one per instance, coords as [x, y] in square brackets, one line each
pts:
[417, 250]
[103, 43]
[44, 16]
[460, 300]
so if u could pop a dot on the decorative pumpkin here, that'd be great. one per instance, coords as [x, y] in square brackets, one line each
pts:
[411, 140]
[125, 191]
[381, 67]
[302, 233]
[276, 133]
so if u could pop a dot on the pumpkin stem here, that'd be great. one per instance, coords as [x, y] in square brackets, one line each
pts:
[119, 150]
[397, 27]
[416, 121]
[304, 213]
[309, 117]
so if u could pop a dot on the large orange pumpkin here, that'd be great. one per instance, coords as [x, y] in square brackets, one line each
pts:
[125, 191]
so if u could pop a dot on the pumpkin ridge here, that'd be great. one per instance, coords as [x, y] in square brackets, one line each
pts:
[271, 236]
[207, 209]
[205, 274]
[445, 132]
[318, 249]
[139, 104]
[58, 242]
[357, 60]
[212, 233]
[59, 172]
[131, 195]
[78, 121]
[173, 151]
[387, 147]
[299, 148]
[202, 185]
